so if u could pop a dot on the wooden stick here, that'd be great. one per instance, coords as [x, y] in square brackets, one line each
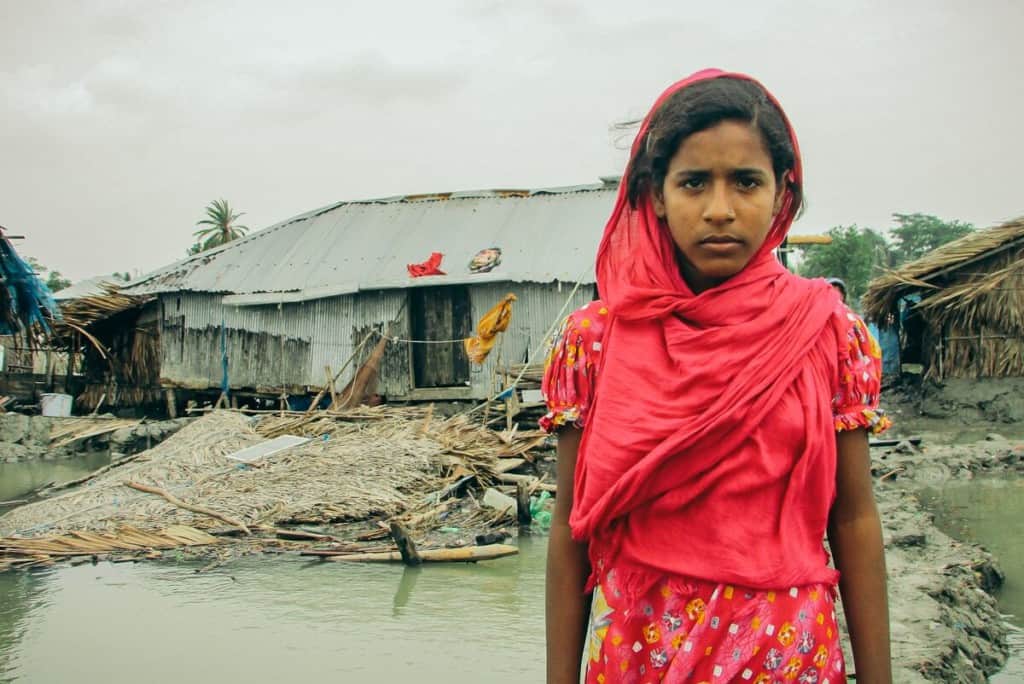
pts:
[513, 478]
[331, 553]
[303, 535]
[406, 547]
[892, 473]
[188, 507]
[323, 390]
[330, 385]
[99, 404]
[523, 503]
[467, 554]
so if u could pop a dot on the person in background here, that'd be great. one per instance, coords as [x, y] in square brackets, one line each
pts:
[839, 285]
[712, 412]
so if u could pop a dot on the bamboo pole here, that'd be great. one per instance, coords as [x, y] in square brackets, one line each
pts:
[466, 554]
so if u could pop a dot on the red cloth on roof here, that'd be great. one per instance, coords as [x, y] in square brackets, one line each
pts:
[710, 449]
[431, 266]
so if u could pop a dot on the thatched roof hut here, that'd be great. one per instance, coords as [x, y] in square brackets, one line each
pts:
[969, 320]
[117, 335]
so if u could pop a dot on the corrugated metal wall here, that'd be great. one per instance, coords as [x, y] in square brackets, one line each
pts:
[289, 345]
[272, 346]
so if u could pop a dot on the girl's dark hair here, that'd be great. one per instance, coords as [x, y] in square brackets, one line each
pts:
[699, 107]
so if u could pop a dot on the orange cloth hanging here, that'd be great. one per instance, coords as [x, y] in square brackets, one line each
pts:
[493, 322]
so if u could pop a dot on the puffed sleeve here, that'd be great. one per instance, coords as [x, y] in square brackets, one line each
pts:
[571, 368]
[855, 404]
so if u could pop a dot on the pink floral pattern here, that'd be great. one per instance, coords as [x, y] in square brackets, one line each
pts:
[698, 631]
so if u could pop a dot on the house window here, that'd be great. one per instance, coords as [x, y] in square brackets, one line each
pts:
[440, 313]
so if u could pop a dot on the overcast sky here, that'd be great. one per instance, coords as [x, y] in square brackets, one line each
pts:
[120, 120]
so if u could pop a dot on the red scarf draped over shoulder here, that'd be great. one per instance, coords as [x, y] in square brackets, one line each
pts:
[710, 449]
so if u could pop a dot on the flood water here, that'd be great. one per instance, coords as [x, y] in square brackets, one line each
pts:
[266, 619]
[17, 479]
[271, 619]
[990, 512]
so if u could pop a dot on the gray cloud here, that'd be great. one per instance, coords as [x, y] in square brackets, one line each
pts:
[120, 120]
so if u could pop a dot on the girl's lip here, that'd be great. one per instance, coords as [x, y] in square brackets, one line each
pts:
[722, 247]
[720, 240]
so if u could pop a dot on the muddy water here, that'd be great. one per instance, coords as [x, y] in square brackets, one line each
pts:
[17, 479]
[990, 511]
[272, 620]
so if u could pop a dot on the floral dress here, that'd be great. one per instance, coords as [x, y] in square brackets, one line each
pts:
[690, 630]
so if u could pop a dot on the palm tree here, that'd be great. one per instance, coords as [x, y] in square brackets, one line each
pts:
[220, 226]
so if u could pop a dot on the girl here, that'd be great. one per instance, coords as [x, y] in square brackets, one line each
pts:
[712, 414]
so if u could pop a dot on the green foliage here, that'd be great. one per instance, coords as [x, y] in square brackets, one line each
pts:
[54, 280]
[856, 255]
[917, 234]
[220, 227]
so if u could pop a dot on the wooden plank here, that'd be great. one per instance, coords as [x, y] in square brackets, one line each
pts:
[440, 394]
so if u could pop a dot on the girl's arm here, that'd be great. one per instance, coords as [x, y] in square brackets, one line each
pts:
[567, 608]
[855, 537]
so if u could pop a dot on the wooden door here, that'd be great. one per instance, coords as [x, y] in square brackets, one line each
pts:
[440, 313]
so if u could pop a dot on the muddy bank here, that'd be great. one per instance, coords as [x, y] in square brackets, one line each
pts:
[946, 625]
[997, 401]
[26, 438]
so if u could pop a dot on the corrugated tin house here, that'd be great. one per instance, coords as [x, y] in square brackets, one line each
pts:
[286, 301]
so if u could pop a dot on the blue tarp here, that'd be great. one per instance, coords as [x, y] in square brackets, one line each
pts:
[889, 340]
[29, 301]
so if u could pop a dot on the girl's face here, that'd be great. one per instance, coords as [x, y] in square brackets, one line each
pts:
[718, 199]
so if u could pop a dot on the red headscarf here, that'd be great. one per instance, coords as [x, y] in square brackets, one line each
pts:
[710, 448]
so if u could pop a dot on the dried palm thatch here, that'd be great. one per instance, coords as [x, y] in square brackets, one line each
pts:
[972, 302]
[373, 461]
[15, 551]
[64, 431]
[113, 394]
[82, 312]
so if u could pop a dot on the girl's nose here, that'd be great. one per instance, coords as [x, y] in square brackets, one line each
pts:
[719, 208]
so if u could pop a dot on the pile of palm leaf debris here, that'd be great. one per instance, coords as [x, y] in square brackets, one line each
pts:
[224, 485]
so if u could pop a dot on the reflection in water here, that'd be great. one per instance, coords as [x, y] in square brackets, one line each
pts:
[17, 593]
[17, 479]
[263, 620]
[990, 512]
[405, 589]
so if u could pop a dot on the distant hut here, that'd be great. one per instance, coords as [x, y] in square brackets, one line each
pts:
[110, 340]
[960, 307]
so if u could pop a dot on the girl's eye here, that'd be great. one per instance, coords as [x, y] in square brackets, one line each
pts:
[693, 183]
[748, 183]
